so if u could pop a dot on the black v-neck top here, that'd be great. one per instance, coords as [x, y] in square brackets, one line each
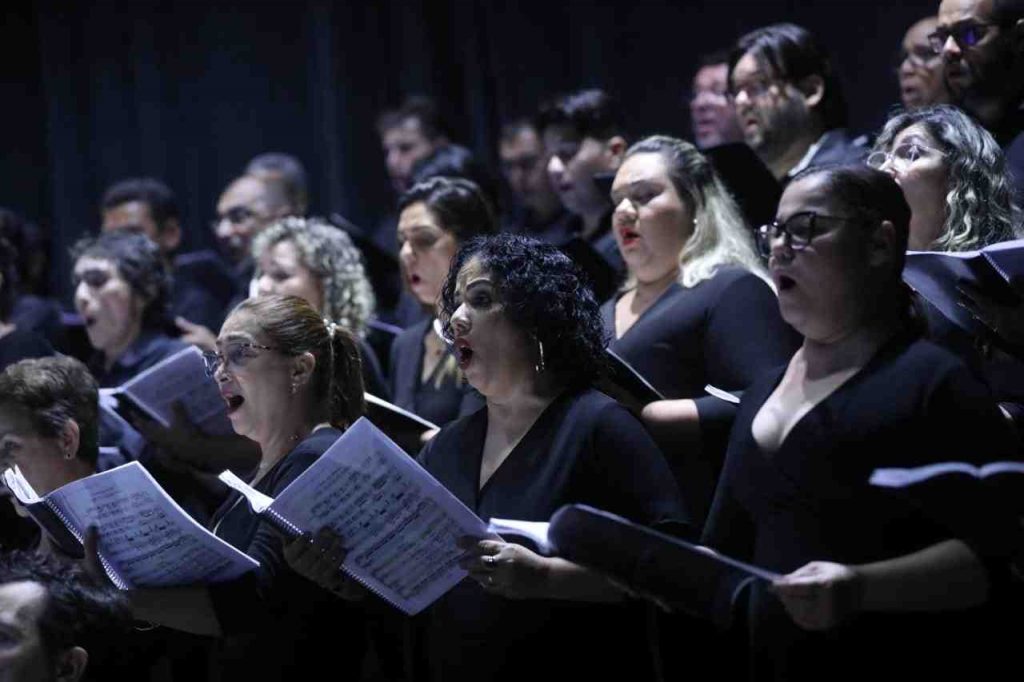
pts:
[913, 404]
[437, 404]
[584, 448]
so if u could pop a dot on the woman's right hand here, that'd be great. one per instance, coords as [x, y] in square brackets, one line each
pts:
[318, 558]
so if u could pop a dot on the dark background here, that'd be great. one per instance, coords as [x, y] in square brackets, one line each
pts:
[189, 91]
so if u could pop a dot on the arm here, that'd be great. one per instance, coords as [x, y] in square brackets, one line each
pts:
[188, 609]
[945, 576]
[673, 421]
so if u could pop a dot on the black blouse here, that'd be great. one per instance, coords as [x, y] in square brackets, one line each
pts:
[278, 625]
[583, 448]
[913, 404]
[725, 332]
[437, 404]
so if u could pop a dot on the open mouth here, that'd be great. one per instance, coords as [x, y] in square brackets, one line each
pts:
[233, 402]
[463, 353]
[88, 320]
[784, 282]
[629, 236]
[414, 279]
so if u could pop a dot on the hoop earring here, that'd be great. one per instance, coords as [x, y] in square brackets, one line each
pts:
[540, 367]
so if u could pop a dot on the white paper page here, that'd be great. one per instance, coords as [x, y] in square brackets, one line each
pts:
[721, 394]
[399, 524]
[181, 378]
[257, 500]
[535, 531]
[17, 484]
[145, 536]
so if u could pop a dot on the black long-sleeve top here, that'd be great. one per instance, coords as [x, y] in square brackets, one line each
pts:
[583, 448]
[913, 404]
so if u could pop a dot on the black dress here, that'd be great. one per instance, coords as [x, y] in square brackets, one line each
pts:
[725, 332]
[583, 448]
[278, 625]
[912, 404]
[438, 404]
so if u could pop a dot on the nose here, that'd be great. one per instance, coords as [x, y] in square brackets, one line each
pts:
[81, 296]
[264, 285]
[741, 99]
[460, 321]
[555, 167]
[405, 253]
[950, 50]
[220, 374]
[224, 228]
[625, 212]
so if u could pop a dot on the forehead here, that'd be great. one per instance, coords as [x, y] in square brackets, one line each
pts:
[130, 212]
[913, 132]
[748, 67]
[239, 326]
[408, 131]
[22, 602]
[241, 192]
[284, 250]
[639, 167]
[93, 263]
[525, 141]
[918, 33]
[711, 77]
[806, 194]
[472, 270]
[417, 215]
[952, 11]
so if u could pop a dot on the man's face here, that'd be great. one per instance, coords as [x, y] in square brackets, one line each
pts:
[711, 109]
[572, 164]
[979, 71]
[243, 211]
[22, 656]
[524, 164]
[771, 112]
[404, 145]
[136, 217]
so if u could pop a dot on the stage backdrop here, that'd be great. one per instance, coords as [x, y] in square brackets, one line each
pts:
[189, 91]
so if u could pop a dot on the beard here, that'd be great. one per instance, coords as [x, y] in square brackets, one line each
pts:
[779, 126]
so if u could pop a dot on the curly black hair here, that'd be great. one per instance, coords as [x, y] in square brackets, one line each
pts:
[140, 263]
[543, 293]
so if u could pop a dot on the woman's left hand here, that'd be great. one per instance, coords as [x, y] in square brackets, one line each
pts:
[820, 595]
[505, 569]
[91, 563]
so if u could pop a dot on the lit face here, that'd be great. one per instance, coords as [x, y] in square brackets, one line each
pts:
[40, 458]
[771, 113]
[920, 71]
[426, 252]
[255, 382]
[493, 354]
[281, 271]
[404, 145]
[572, 166]
[711, 110]
[822, 286]
[981, 71]
[651, 222]
[243, 211]
[524, 165]
[135, 217]
[924, 181]
[22, 655]
[111, 309]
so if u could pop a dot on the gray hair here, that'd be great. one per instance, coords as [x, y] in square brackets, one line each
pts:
[720, 235]
[328, 253]
[979, 202]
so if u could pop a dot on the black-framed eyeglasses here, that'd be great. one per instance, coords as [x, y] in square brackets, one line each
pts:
[798, 230]
[965, 34]
[234, 355]
[235, 215]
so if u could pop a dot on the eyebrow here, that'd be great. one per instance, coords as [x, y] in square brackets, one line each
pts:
[236, 336]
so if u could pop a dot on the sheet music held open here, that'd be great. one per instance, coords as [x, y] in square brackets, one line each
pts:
[399, 525]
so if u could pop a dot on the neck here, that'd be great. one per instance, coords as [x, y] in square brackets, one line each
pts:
[114, 352]
[521, 403]
[70, 470]
[276, 443]
[847, 350]
[646, 292]
[787, 158]
[6, 328]
[927, 221]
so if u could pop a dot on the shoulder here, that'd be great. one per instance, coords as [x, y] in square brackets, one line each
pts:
[455, 435]
[728, 282]
[305, 453]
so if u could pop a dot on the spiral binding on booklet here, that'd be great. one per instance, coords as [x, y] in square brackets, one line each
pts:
[120, 583]
[289, 528]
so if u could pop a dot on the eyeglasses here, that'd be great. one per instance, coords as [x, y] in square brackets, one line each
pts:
[918, 55]
[754, 89]
[235, 355]
[715, 95]
[965, 34]
[904, 154]
[235, 215]
[798, 230]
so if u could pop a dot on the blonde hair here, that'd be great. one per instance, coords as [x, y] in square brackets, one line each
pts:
[720, 235]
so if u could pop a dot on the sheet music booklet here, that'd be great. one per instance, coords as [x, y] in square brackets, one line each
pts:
[145, 538]
[399, 525]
